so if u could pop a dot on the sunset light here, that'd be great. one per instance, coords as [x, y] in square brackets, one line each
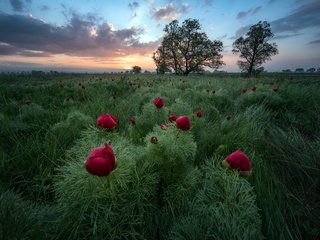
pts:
[109, 36]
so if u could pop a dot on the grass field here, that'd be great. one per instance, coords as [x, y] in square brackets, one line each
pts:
[175, 189]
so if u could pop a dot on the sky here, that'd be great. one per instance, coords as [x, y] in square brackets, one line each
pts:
[106, 35]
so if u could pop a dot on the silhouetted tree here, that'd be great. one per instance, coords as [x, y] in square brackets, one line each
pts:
[254, 47]
[299, 70]
[311, 70]
[136, 69]
[161, 59]
[186, 49]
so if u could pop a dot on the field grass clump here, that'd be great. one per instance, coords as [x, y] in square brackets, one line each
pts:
[168, 183]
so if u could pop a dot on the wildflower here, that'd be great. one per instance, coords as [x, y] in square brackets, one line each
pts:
[183, 123]
[172, 118]
[133, 120]
[158, 102]
[198, 113]
[238, 160]
[107, 121]
[154, 139]
[101, 161]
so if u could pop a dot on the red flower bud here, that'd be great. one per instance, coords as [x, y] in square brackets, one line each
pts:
[61, 85]
[107, 121]
[158, 102]
[154, 139]
[243, 90]
[133, 120]
[228, 117]
[101, 161]
[275, 89]
[172, 118]
[254, 88]
[238, 160]
[198, 113]
[28, 101]
[183, 123]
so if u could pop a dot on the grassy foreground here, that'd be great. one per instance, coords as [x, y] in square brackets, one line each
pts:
[47, 127]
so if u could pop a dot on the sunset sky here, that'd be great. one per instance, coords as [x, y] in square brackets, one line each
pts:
[103, 35]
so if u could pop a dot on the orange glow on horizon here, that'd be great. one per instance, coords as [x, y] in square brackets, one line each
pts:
[65, 61]
[117, 63]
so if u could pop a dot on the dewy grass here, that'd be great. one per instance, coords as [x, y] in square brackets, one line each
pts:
[172, 188]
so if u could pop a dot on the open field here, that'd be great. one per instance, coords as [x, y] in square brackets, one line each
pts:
[175, 189]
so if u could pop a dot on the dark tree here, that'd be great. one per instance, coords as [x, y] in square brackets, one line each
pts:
[186, 49]
[136, 69]
[161, 59]
[254, 48]
[311, 70]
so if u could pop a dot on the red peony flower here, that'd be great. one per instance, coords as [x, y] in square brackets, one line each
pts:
[254, 88]
[198, 113]
[107, 121]
[133, 120]
[159, 102]
[183, 123]
[172, 118]
[154, 139]
[243, 90]
[275, 89]
[28, 101]
[101, 161]
[228, 117]
[238, 160]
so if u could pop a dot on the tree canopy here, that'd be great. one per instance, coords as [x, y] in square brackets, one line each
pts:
[186, 49]
[254, 48]
[136, 69]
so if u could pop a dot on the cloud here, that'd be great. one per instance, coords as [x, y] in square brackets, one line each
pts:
[222, 37]
[315, 41]
[44, 8]
[81, 36]
[170, 11]
[133, 5]
[282, 36]
[208, 3]
[303, 17]
[250, 12]
[19, 64]
[19, 5]
[271, 1]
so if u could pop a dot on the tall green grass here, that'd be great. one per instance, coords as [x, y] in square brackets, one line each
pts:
[43, 146]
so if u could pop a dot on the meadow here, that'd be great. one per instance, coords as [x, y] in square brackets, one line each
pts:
[176, 188]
